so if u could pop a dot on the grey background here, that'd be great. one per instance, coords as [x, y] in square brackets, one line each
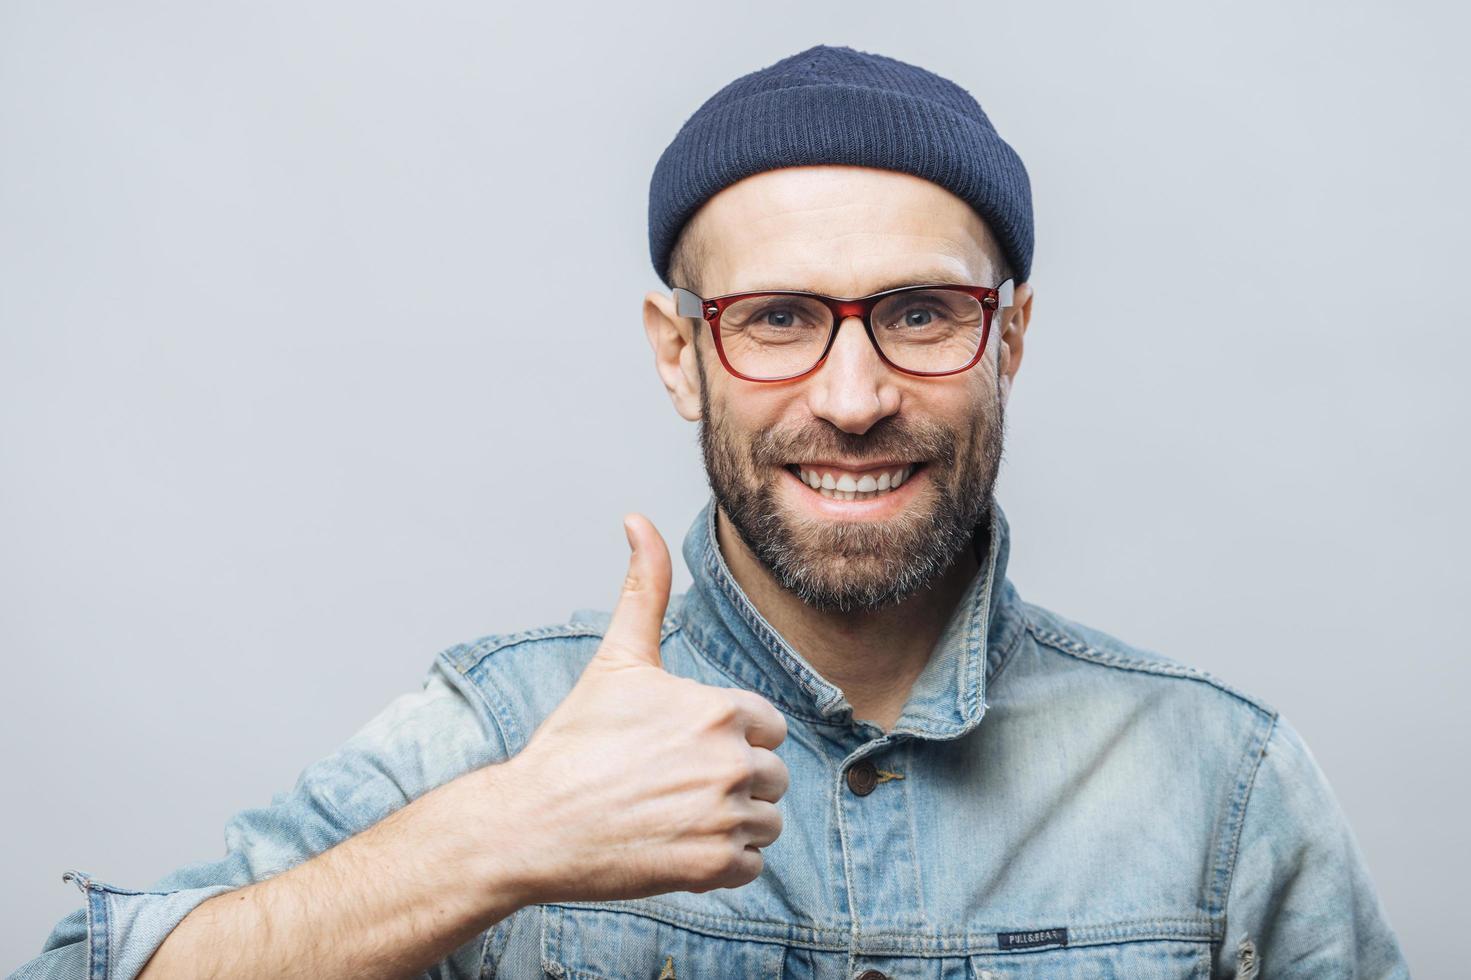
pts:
[320, 351]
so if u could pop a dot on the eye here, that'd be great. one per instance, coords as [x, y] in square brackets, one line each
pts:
[918, 317]
[778, 316]
[774, 316]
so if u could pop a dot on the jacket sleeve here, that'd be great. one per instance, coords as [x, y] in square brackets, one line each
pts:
[419, 741]
[1301, 903]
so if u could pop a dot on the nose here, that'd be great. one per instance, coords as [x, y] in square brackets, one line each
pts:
[854, 388]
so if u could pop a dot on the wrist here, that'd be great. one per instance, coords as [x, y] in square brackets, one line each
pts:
[509, 861]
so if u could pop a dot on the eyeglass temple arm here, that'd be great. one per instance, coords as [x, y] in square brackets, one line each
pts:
[687, 303]
[1005, 294]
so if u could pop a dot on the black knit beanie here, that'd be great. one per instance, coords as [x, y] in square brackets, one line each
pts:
[832, 104]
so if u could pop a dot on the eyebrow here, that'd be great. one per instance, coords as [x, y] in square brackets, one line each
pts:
[920, 279]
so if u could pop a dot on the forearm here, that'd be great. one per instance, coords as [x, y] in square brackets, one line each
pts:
[386, 903]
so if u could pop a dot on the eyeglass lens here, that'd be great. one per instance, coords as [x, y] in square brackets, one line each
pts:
[782, 335]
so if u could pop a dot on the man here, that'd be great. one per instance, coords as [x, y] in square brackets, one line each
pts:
[850, 749]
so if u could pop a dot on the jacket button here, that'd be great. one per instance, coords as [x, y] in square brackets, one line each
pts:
[862, 778]
[873, 975]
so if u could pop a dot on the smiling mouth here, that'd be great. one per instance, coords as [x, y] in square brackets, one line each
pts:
[838, 483]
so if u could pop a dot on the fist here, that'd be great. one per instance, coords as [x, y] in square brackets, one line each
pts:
[642, 782]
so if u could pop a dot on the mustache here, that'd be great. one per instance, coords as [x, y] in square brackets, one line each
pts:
[890, 438]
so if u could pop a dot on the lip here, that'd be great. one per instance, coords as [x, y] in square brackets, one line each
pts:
[809, 501]
[856, 466]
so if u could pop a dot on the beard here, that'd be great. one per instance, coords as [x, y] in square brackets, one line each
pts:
[861, 565]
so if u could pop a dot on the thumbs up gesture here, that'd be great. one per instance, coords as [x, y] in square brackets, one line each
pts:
[643, 782]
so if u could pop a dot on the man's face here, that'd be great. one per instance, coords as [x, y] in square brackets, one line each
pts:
[848, 231]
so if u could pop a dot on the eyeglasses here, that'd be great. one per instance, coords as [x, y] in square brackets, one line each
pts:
[927, 330]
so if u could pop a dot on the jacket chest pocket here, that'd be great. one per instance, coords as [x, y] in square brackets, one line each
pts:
[1154, 959]
[597, 944]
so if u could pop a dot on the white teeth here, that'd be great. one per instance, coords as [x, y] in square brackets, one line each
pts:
[846, 487]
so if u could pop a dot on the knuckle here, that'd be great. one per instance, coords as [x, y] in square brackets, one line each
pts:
[719, 860]
[728, 866]
[750, 865]
[722, 819]
[721, 710]
[739, 772]
[765, 834]
[780, 780]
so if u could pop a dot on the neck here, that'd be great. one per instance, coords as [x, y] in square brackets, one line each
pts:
[873, 657]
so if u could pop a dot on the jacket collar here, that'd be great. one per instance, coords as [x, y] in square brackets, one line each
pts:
[948, 698]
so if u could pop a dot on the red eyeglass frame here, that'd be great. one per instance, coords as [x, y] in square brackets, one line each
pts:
[991, 298]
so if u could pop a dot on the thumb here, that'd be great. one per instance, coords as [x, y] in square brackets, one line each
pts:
[633, 633]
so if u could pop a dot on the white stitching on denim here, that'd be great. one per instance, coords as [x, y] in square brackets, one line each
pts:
[1077, 648]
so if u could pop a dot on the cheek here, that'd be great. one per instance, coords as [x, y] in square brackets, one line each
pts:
[746, 409]
[956, 403]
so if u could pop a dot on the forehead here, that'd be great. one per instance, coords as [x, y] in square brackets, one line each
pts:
[842, 230]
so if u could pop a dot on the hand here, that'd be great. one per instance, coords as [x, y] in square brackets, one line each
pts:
[642, 782]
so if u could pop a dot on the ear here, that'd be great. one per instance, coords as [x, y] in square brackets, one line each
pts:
[1013, 330]
[673, 341]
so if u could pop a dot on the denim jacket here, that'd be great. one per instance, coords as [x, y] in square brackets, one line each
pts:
[1052, 803]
